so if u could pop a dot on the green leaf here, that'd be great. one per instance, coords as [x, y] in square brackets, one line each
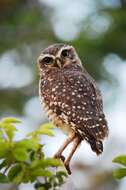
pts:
[53, 162]
[36, 163]
[10, 120]
[61, 175]
[119, 173]
[4, 148]
[3, 178]
[20, 154]
[33, 134]
[9, 129]
[45, 132]
[120, 160]
[44, 129]
[41, 172]
[46, 126]
[49, 162]
[16, 173]
[28, 144]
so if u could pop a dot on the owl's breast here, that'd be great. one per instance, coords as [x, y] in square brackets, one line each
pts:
[50, 94]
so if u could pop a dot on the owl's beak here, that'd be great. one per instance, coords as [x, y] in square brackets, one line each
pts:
[58, 62]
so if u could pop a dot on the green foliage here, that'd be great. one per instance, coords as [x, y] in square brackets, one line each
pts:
[120, 172]
[42, 130]
[24, 161]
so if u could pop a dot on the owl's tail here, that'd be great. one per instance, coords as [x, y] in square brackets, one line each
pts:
[96, 145]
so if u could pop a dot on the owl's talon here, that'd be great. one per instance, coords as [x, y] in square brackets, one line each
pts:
[67, 166]
[58, 156]
[62, 158]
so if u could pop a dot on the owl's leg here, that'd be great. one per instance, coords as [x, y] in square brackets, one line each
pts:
[65, 144]
[76, 143]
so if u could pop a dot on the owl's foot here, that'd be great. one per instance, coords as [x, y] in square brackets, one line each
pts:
[67, 166]
[66, 163]
[60, 151]
[60, 157]
[76, 143]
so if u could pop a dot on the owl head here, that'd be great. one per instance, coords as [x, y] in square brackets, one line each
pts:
[57, 56]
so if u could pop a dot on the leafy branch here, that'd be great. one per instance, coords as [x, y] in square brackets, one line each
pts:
[23, 161]
[120, 172]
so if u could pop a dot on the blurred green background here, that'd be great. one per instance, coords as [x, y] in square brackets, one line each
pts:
[97, 29]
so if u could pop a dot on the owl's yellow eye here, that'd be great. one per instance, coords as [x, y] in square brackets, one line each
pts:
[65, 53]
[47, 60]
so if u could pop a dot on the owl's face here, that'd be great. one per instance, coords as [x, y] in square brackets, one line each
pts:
[57, 56]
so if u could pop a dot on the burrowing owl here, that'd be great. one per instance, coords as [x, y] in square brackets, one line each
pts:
[71, 98]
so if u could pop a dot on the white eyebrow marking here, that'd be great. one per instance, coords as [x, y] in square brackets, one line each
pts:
[63, 48]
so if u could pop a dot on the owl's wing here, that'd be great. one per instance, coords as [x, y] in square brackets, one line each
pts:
[95, 90]
[82, 105]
